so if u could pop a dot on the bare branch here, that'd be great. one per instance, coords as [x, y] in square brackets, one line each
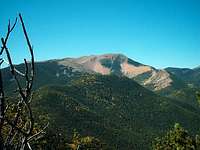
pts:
[29, 146]
[12, 69]
[10, 29]
[17, 71]
[30, 84]
[22, 122]
[41, 131]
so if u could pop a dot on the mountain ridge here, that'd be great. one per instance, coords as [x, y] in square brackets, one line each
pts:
[121, 65]
[168, 82]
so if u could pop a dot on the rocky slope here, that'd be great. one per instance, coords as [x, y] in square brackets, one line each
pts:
[121, 65]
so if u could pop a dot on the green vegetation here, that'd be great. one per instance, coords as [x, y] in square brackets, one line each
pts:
[186, 83]
[108, 112]
[198, 97]
[190, 76]
[186, 95]
[86, 143]
[177, 139]
[115, 110]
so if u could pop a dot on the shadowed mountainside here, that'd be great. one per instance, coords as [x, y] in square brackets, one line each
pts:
[117, 110]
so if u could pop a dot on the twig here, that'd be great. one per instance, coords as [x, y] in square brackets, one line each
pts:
[41, 131]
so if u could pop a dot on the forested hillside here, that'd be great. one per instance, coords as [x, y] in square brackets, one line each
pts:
[116, 110]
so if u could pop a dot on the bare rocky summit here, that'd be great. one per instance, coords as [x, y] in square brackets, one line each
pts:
[120, 65]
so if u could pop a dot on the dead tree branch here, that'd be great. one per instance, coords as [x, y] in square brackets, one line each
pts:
[21, 124]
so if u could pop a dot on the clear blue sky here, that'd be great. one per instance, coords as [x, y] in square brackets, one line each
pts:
[160, 33]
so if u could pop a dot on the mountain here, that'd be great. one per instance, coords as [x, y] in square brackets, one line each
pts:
[47, 73]
[100, 96]
[57, 70]
[121, 65]
[175, 83]
[117, 64]
[116, 110]
[185, 92]
[169, 82]
[190, 76]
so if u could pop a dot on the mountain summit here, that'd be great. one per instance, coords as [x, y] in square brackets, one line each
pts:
[117, 64]
[121, 65]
